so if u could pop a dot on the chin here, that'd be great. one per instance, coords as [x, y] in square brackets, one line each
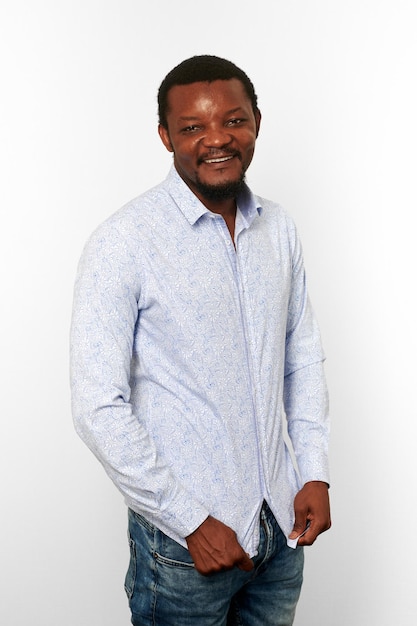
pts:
[221, 191]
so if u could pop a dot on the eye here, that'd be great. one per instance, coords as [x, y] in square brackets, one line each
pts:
[190, 129]
[235, 121]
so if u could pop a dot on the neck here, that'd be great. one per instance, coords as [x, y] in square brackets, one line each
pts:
[225, 208]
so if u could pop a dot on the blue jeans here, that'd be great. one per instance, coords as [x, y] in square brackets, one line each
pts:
[164, 588]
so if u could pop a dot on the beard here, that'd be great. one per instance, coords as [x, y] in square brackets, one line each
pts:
[222, 191]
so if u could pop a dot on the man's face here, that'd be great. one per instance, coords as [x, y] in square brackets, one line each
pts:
[212, 130]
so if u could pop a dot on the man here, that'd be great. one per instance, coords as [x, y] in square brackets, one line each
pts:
[192, 331]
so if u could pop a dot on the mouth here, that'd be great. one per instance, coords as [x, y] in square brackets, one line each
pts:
[219, 159]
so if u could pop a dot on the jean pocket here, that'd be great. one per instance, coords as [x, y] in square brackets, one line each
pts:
[169, 552]
[172, 562]
[131, 572]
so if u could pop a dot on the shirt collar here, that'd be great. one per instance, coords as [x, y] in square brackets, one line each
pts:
[192, 208]
[249, 206]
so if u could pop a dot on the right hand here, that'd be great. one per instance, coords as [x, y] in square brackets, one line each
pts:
[214, 547]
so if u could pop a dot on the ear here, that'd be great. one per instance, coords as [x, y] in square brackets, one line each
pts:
[164, 135]
[258, 118]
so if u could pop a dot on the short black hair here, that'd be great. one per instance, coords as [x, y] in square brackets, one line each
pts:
[202, 68]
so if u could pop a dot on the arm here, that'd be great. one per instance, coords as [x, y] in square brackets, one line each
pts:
[307, 413]
[306, 407]
[105, 314]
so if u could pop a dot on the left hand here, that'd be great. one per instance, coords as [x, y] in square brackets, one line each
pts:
[311, 506]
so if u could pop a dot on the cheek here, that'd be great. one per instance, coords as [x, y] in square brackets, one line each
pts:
[187, 151]
[250, 145]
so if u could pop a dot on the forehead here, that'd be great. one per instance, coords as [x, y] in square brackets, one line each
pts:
[218, 94]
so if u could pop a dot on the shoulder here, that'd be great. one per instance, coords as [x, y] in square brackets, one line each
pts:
[143, 209]
[129, 224]
[276, 218]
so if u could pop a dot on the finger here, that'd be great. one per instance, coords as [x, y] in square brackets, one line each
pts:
[299, 527]
[312, 531]
[308, 537]
[245, 563]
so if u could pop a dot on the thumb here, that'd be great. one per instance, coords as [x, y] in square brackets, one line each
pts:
[245, 563]
[299, 526]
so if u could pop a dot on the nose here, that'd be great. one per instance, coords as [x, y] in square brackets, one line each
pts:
[216, 136]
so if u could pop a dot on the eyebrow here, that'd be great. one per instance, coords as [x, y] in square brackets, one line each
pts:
[192, 118]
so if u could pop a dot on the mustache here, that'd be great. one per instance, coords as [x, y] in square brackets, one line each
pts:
[215, 154]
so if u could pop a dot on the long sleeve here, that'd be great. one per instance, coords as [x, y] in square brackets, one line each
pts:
[305, 390]
[306, 406]
[105, 314]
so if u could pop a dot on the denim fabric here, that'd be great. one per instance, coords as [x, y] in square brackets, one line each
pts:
[164, 589]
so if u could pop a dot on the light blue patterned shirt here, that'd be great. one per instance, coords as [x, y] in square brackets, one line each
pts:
[185, 351]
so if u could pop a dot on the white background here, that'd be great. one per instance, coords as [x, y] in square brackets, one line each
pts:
[336, 84]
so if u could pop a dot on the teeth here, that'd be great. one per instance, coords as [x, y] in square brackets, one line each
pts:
[219, 160]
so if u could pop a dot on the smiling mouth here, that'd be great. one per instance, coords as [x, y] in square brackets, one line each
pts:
[219, 159]
[216, 157]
